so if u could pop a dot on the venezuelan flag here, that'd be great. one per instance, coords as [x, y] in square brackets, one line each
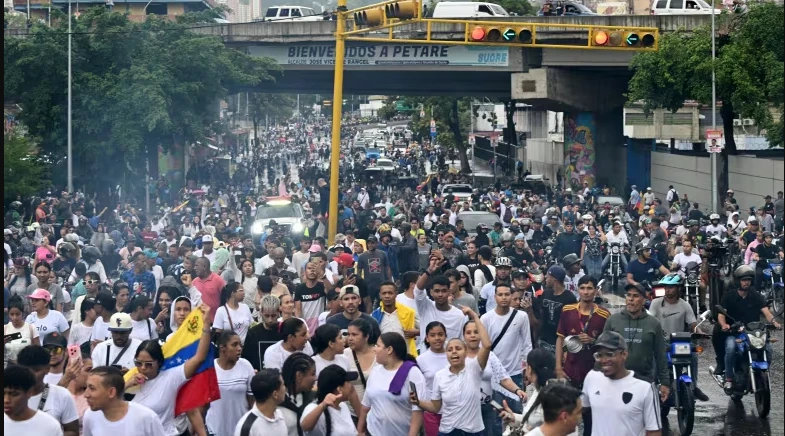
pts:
[202, 388]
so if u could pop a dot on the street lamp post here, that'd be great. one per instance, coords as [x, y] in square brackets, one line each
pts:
[69, 116]
[714, 156]
[335, 153]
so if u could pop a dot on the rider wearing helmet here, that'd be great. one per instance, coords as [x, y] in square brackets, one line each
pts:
[91, 257]
[674, 314]
[763, 252]
[487, 302]
[519, 253]
[482, 235]
[715, 228]
[744, 305]
[645, 267]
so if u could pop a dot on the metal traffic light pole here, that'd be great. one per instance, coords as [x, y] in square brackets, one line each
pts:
[715, 202]
[335, 147]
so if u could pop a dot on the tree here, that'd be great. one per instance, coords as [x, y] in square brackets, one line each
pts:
[269, 106]
[136, 86]
[25, 171]
[749, 73]
[388, 110]
[452, 122]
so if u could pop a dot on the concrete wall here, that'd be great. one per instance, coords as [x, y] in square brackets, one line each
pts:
[750, 177]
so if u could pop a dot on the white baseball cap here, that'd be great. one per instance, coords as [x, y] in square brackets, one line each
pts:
[206, 239]
[120, 322]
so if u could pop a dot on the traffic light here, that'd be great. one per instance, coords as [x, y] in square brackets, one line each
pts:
[622, 38]
[369, 17]
[522, 35]
[403, 10]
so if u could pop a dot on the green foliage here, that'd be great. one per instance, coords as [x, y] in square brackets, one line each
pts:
[136, 86]
[452, 118]
[24, 171]
[749, 70]
[388, 110]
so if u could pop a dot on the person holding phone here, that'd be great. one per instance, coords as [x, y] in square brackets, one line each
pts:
[460, 413]
[17, 334]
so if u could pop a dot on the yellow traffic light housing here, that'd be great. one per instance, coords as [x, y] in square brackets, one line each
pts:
[638, 39]
[369, 17]
[522, 35]
[623, 39]
[403, 10]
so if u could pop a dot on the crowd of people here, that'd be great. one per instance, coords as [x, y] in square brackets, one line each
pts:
[407, 323]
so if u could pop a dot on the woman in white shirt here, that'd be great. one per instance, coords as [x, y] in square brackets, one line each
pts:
[233, 315]
[459, 412]
[430, 362]
[45, 320]
[83, 331]
[361, 355]
[299, 376]
[21, 278]
[327, 344]
[17, 324]
[386, 409]
[295, 338]
[249, 280]
[157, 387]
[234, 382]
[329, 415]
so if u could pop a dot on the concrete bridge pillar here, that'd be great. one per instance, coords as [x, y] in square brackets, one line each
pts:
[562, 89]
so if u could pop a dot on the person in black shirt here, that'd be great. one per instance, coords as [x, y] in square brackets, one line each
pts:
[264, 334]
[368, 230]
[745, 305]
[695, 213]
[519, 254]
[545, 311]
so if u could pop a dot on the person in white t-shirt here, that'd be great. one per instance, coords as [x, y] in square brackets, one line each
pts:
[144, 328]
[118, 350]
[19, 418]
[687, 256]
[619, 403]
[330, 415]
[264, 418]
[54, 400]
[561, 406]
[233, 315]
[295, 338]
[234, 382]
[16, 324]
[385, 407]
[438, 309]
[109, 414]
[459, 412]
[430, 362]
[42, 318]
[328, 346]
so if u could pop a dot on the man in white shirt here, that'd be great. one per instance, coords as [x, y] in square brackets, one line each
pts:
[683, 259]
[19, 417]
[616, 235]
[51, 399]
[118, 351]
[207, 248]
[109, 414]
[264, 418]
[438, 309]
[618, 403]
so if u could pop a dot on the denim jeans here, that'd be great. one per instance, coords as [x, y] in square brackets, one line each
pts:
[731, 353]
[491, 421]
[593, 266]
[457, 432]
[515, 405]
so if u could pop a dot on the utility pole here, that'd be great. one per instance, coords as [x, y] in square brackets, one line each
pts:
[715, 173]
[335, 146]
[70, 114]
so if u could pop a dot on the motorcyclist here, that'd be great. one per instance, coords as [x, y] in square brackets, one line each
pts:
[680, 262]
[674, 314]
[519, 253]
[644, 268]
[616, 235]
[763, 252]
[482, 235]
[744, 305]
[716, 229]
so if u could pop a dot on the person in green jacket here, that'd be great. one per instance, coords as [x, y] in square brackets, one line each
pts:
[645, 340]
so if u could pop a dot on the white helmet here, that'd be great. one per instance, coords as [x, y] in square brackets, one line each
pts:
[587, 217]
[503, 261]
[714, 216]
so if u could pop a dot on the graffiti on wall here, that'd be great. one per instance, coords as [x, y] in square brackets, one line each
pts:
[579, 149]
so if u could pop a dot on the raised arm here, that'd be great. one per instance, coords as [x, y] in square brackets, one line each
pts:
[192, 364]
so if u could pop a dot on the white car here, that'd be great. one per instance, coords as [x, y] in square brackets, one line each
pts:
[460, 191]
[682, 7]
[385, 164]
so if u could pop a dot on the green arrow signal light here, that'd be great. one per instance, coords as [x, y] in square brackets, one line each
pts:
[509, 35]
[525, 36]
[632, 39]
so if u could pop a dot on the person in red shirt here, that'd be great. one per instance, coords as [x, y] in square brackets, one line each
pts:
[209, 284]
[584, 321]
[148, 234]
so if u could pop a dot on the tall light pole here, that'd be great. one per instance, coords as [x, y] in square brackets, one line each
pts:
[335, 147]
[715, 195]
[69, 116]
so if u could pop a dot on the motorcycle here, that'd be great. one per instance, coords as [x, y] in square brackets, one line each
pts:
[751, 374]
[692, 286]
[614, 271]
[772, 289]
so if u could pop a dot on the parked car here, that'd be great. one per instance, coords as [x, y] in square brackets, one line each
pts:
[474, 218]
[682, 7]
[292, 13]
[450, 9]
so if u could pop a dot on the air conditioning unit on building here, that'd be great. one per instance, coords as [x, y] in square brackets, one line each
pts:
[748, 122]
[737, 122]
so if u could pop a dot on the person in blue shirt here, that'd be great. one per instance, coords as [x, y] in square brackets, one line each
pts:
[139, 279]
[644, 268]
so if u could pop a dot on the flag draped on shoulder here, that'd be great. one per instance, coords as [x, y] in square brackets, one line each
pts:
[202, 388]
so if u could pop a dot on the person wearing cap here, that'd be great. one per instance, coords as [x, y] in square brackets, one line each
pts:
[45, 320]
[645, 339]
[55, 344]
[59, 404]
[43, 272]
[648, 197]
[333, 390]
[351, 298]
[501, 275]
[207, 248]
[119, 350]
[545, 312]
[615, 399]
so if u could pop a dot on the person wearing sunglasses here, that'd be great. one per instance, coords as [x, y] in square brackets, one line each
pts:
[614, 397]
[92, 285]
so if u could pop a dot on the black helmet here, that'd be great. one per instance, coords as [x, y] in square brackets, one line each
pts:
[91, 254]
[744, 272]
[570, 260]
[640, 246]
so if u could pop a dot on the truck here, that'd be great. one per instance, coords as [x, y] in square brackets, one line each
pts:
[292, 13]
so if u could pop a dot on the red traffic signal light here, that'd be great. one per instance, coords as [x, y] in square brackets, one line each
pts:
[601, 37]
[477, 34]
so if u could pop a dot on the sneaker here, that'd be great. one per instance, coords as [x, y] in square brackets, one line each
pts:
[700, 395]
[728, 386]
[719, 371]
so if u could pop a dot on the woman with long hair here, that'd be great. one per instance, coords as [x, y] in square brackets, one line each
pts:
[591, 251]
[361, 355]
[540, 370]
[494, 378]
[122, 295]
[234, 378]
[82, 331]
[560, 406]
[161, 309]
[233, 315]
[21, 277]
[386, 409]
[433, 360]
[249, 280]
[328, 345]
[294, 334]
[17, 324]
[158, 387]
[299, 376]
[329, 415]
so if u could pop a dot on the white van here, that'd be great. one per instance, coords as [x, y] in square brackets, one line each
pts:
[682, 7]
[450, 9]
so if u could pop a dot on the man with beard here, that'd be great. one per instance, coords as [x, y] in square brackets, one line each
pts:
[119, 351]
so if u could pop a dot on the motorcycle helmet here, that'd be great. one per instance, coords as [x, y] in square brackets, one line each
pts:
[72, 238]
[570, 260]
[507, 237]
[66, 248]
[714, 217]
[482, 228]
[587, 217]
[497, 251]
[640, 246]
[672, 279]
[744, 272]
[526, 222]
[693, 223]
[384, 228]
[503, 262]
[91, 254]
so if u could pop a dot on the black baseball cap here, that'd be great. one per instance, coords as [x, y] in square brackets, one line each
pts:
[55, 340]
[333, 376]
[611, 341]
[637, 287]
[373, 239]
[106, 300]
